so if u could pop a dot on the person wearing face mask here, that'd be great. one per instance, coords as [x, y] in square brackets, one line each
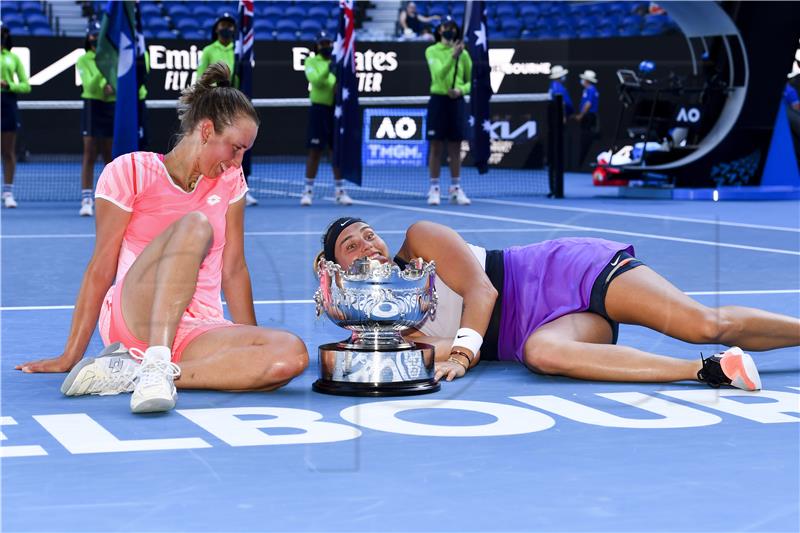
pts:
[223, 33]
[14, 81]
[97, 118]
[451, 74]
[320, 118]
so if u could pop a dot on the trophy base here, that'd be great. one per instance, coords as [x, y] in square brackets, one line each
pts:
[348, 371]
[374, 389]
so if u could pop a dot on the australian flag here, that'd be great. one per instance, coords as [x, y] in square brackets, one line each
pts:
[121, 59]
[245, 60]
[347, 115]
[476, 39]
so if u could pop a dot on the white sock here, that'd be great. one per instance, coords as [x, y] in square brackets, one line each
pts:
[161, 353]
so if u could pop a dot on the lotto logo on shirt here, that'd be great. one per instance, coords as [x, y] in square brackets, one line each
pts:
[213, 199]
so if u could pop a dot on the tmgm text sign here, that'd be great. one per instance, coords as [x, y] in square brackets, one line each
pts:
[394, 137]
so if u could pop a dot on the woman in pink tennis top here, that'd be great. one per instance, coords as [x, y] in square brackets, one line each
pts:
[170, 231]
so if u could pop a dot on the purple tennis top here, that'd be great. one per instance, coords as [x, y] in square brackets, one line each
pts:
[545, 281]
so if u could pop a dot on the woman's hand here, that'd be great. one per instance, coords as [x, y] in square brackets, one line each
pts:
[62, 363]
[457, 49]
[454, 93]
[108, 90]
[450, 370]
[4, 84]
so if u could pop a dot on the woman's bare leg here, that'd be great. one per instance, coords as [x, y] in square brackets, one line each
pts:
[161, 282]
[435, 159]
[643, 297]
[578, 346]
[8, 142]
[89, 157]
[454, 158]
[242, 358]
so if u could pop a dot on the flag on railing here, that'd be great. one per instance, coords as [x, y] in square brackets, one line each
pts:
[120, 58]
[245, 61]
[243, 49]
[477, 42]
[347, 115]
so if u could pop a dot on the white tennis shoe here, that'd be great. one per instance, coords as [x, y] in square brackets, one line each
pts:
[155, 388]
[8, 200]
[458, 196]
[112, 372]
[305, 199]
[87, 208]
[434, 195]
[342, 198]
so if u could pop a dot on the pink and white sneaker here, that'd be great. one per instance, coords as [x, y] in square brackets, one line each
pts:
[732, 367]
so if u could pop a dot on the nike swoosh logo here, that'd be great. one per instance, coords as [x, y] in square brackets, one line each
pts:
[461, 336]
[615, 261]
[343, 223]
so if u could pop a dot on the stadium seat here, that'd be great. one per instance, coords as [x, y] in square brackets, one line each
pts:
[187, 24]
[506, 10]
[287, 25]
[10, 7]
[264, 35]
[175, 9]
[295, 12]
[13, 19]
[165, 34]
[151, 8]
[511, 24]
[629, 31]
[318, 12]
[309, 36]
[457, 12]
[31, 7]
[286, 36]
[311, 25]
[332, 25]
[42, 32]
[194, 35]
[148, 33]
[199, 10]
[606, 32]
[587, 33]
[156, 23]
[264, 23]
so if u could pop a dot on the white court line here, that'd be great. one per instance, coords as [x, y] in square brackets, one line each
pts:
[308, 302]
[638, 215]
[578, 228]
[289, 233]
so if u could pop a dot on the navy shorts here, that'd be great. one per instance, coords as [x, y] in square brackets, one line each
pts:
[445, 118]
[320, 126]
[10, 113]
[97, 118]
[621, 262]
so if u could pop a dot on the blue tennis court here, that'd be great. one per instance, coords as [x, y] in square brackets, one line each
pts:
[502, 449]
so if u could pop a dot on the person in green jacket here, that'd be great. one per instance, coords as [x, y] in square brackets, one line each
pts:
[222, 49]
[451, 74]
[319, 134]
[97, 117]
[14, 81]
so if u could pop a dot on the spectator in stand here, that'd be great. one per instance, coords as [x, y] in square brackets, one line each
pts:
[412, 24]
[221, 48]
[558, 77]
[319, 134]
[587, 113]
[451, 78]
[14, 81]
[97, 117]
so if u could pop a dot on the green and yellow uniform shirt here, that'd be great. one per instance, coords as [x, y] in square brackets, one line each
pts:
[443, 67]
[13, 73]
[92, 79]
[322, 80]
[214, 53]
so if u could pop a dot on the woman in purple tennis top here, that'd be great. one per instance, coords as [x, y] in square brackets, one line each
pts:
[556, 306]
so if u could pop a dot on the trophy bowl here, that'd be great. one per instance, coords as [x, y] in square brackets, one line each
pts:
[376, 302]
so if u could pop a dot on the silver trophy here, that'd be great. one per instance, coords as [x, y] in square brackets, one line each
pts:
[376, 302]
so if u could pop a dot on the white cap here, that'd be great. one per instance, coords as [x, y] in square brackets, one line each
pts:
[589, 75]
[558, 72]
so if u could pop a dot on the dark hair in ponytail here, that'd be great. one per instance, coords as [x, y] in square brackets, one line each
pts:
[213, 97]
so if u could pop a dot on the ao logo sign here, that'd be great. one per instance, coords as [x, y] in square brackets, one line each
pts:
[402, 128]
[688, 115]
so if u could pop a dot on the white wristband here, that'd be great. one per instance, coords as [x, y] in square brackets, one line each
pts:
[468, 338]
